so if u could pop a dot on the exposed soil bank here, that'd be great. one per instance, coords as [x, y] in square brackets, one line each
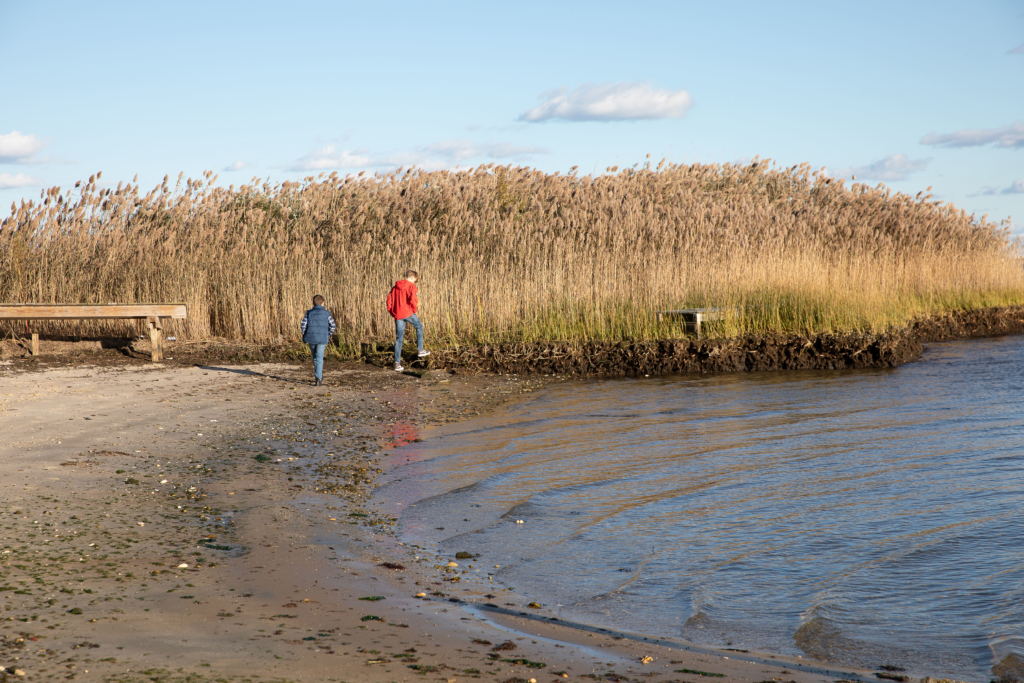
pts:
[985, 322]
[752, 353]
[775, 352]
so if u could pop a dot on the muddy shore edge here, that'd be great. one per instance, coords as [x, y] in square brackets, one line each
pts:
[687, 355]
[745, 354]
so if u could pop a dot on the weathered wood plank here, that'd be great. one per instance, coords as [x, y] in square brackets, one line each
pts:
[91, 311]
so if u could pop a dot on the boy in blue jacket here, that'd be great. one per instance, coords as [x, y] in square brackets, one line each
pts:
[317, 328]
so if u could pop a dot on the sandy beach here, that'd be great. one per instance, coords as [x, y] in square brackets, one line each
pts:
[184, 522]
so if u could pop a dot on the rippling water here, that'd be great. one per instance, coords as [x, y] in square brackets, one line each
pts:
[862, 517]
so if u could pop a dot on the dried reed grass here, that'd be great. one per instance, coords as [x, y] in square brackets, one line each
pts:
[513, 254]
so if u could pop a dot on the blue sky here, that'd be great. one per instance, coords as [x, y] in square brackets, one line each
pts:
[913, 93]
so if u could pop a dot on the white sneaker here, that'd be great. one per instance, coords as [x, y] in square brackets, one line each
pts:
[421, 354]
[398, 367]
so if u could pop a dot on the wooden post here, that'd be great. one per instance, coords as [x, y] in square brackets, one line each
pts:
[697, 318]
[35, 343]
[156, 339]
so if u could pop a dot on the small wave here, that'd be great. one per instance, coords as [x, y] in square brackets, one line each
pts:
[820, 638]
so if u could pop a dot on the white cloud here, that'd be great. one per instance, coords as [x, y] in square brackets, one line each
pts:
[431, 157]
[329, 159]
[10, 180]
[610, 102]
[1016, 187]
[1011, 136]
[417, 159]
[17, 148]
[1019, 50]
[237, 166]
[889, 168]
[463, 150]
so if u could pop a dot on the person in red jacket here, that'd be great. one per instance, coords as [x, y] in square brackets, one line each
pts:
[402, 305]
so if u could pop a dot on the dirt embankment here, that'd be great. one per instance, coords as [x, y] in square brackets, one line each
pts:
[986, 322]
[689, 355]
[753, 353]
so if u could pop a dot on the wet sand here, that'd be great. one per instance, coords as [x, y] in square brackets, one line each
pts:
[184, 523]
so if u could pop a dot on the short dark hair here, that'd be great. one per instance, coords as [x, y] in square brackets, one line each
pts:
[412, 273]
[318, 300]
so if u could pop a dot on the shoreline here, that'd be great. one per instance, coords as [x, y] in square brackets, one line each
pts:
[687, 355]
[257, 482]
[753, 353]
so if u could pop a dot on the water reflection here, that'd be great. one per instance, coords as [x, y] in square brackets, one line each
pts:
[866, 518]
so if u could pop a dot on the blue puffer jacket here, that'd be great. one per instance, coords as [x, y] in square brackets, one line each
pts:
[317, 326]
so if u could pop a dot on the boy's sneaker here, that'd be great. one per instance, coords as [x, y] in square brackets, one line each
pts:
[421, 354]
[398, 367]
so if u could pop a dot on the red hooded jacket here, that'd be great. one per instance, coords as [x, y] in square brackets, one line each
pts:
[402, 300]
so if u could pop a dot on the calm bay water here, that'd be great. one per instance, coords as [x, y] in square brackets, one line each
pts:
[862, 517]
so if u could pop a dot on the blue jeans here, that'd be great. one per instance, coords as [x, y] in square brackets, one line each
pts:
[400, 335]
[318, 359]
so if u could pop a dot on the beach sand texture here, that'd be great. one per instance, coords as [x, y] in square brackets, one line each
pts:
[143, 539]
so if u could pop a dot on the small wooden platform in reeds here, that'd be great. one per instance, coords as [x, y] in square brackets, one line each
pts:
[693, 318]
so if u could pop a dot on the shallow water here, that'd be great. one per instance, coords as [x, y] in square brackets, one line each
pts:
[864, 517]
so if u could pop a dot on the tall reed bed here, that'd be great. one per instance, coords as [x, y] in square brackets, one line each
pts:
[513, 254]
